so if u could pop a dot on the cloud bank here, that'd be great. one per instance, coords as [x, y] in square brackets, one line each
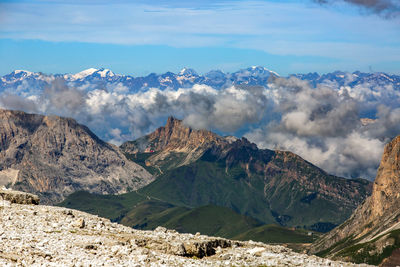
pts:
[325, 125]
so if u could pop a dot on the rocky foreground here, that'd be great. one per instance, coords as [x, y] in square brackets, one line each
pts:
[36, 235]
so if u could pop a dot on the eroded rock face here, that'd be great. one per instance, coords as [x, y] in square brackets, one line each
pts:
[174, 135]
[54, 157]
[19, 197]
[52, 236]
[386, 192]
[375, 222]
[183, 143]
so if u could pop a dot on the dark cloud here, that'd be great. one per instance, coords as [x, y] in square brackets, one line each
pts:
[386, 8]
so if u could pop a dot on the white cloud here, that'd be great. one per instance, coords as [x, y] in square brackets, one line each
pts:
[320, 124]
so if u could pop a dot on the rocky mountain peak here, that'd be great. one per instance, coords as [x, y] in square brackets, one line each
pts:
[245, 143]
[173, 123]
[53, 157]
[176, 135]
[175, 138]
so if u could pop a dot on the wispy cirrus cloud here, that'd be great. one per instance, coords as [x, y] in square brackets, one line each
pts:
[274, 27]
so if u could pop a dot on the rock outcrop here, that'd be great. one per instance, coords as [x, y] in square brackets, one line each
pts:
[54, 157]
[372, 233]
[35, 235]
[19, 197]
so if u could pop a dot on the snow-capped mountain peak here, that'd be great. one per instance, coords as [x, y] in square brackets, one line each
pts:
[91, 72]
[188, 72]
[17, 75]
[260, 69]
[27, 73]
[105, 73]
[83, 74]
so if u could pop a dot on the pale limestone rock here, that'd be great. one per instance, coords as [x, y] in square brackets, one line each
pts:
[29, 240]
[80, 223]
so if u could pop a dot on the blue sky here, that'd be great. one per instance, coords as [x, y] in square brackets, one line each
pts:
[136, 37]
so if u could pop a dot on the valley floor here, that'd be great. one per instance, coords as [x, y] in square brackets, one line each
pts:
[52, 236]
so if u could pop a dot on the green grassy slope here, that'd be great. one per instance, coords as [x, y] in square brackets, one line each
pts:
[113, 207]
[277, 200]
[142, 213]
[209, 220]
[149, 214]
[229, 192]
[273, 200]
[271, 233]
[202, 183]
[212, 220]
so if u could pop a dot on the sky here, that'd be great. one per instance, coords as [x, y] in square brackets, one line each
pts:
[325, 124]
[140, 37]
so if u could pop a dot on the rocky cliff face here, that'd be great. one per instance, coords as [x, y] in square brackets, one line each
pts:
[174, 140]
[386, 193]
[35, 235]
[372, 232]
[54, 157]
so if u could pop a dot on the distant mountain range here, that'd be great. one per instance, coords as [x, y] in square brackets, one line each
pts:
[340, 78]
[27, 83]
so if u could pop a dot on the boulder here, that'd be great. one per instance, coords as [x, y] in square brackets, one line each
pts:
[19, 197]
